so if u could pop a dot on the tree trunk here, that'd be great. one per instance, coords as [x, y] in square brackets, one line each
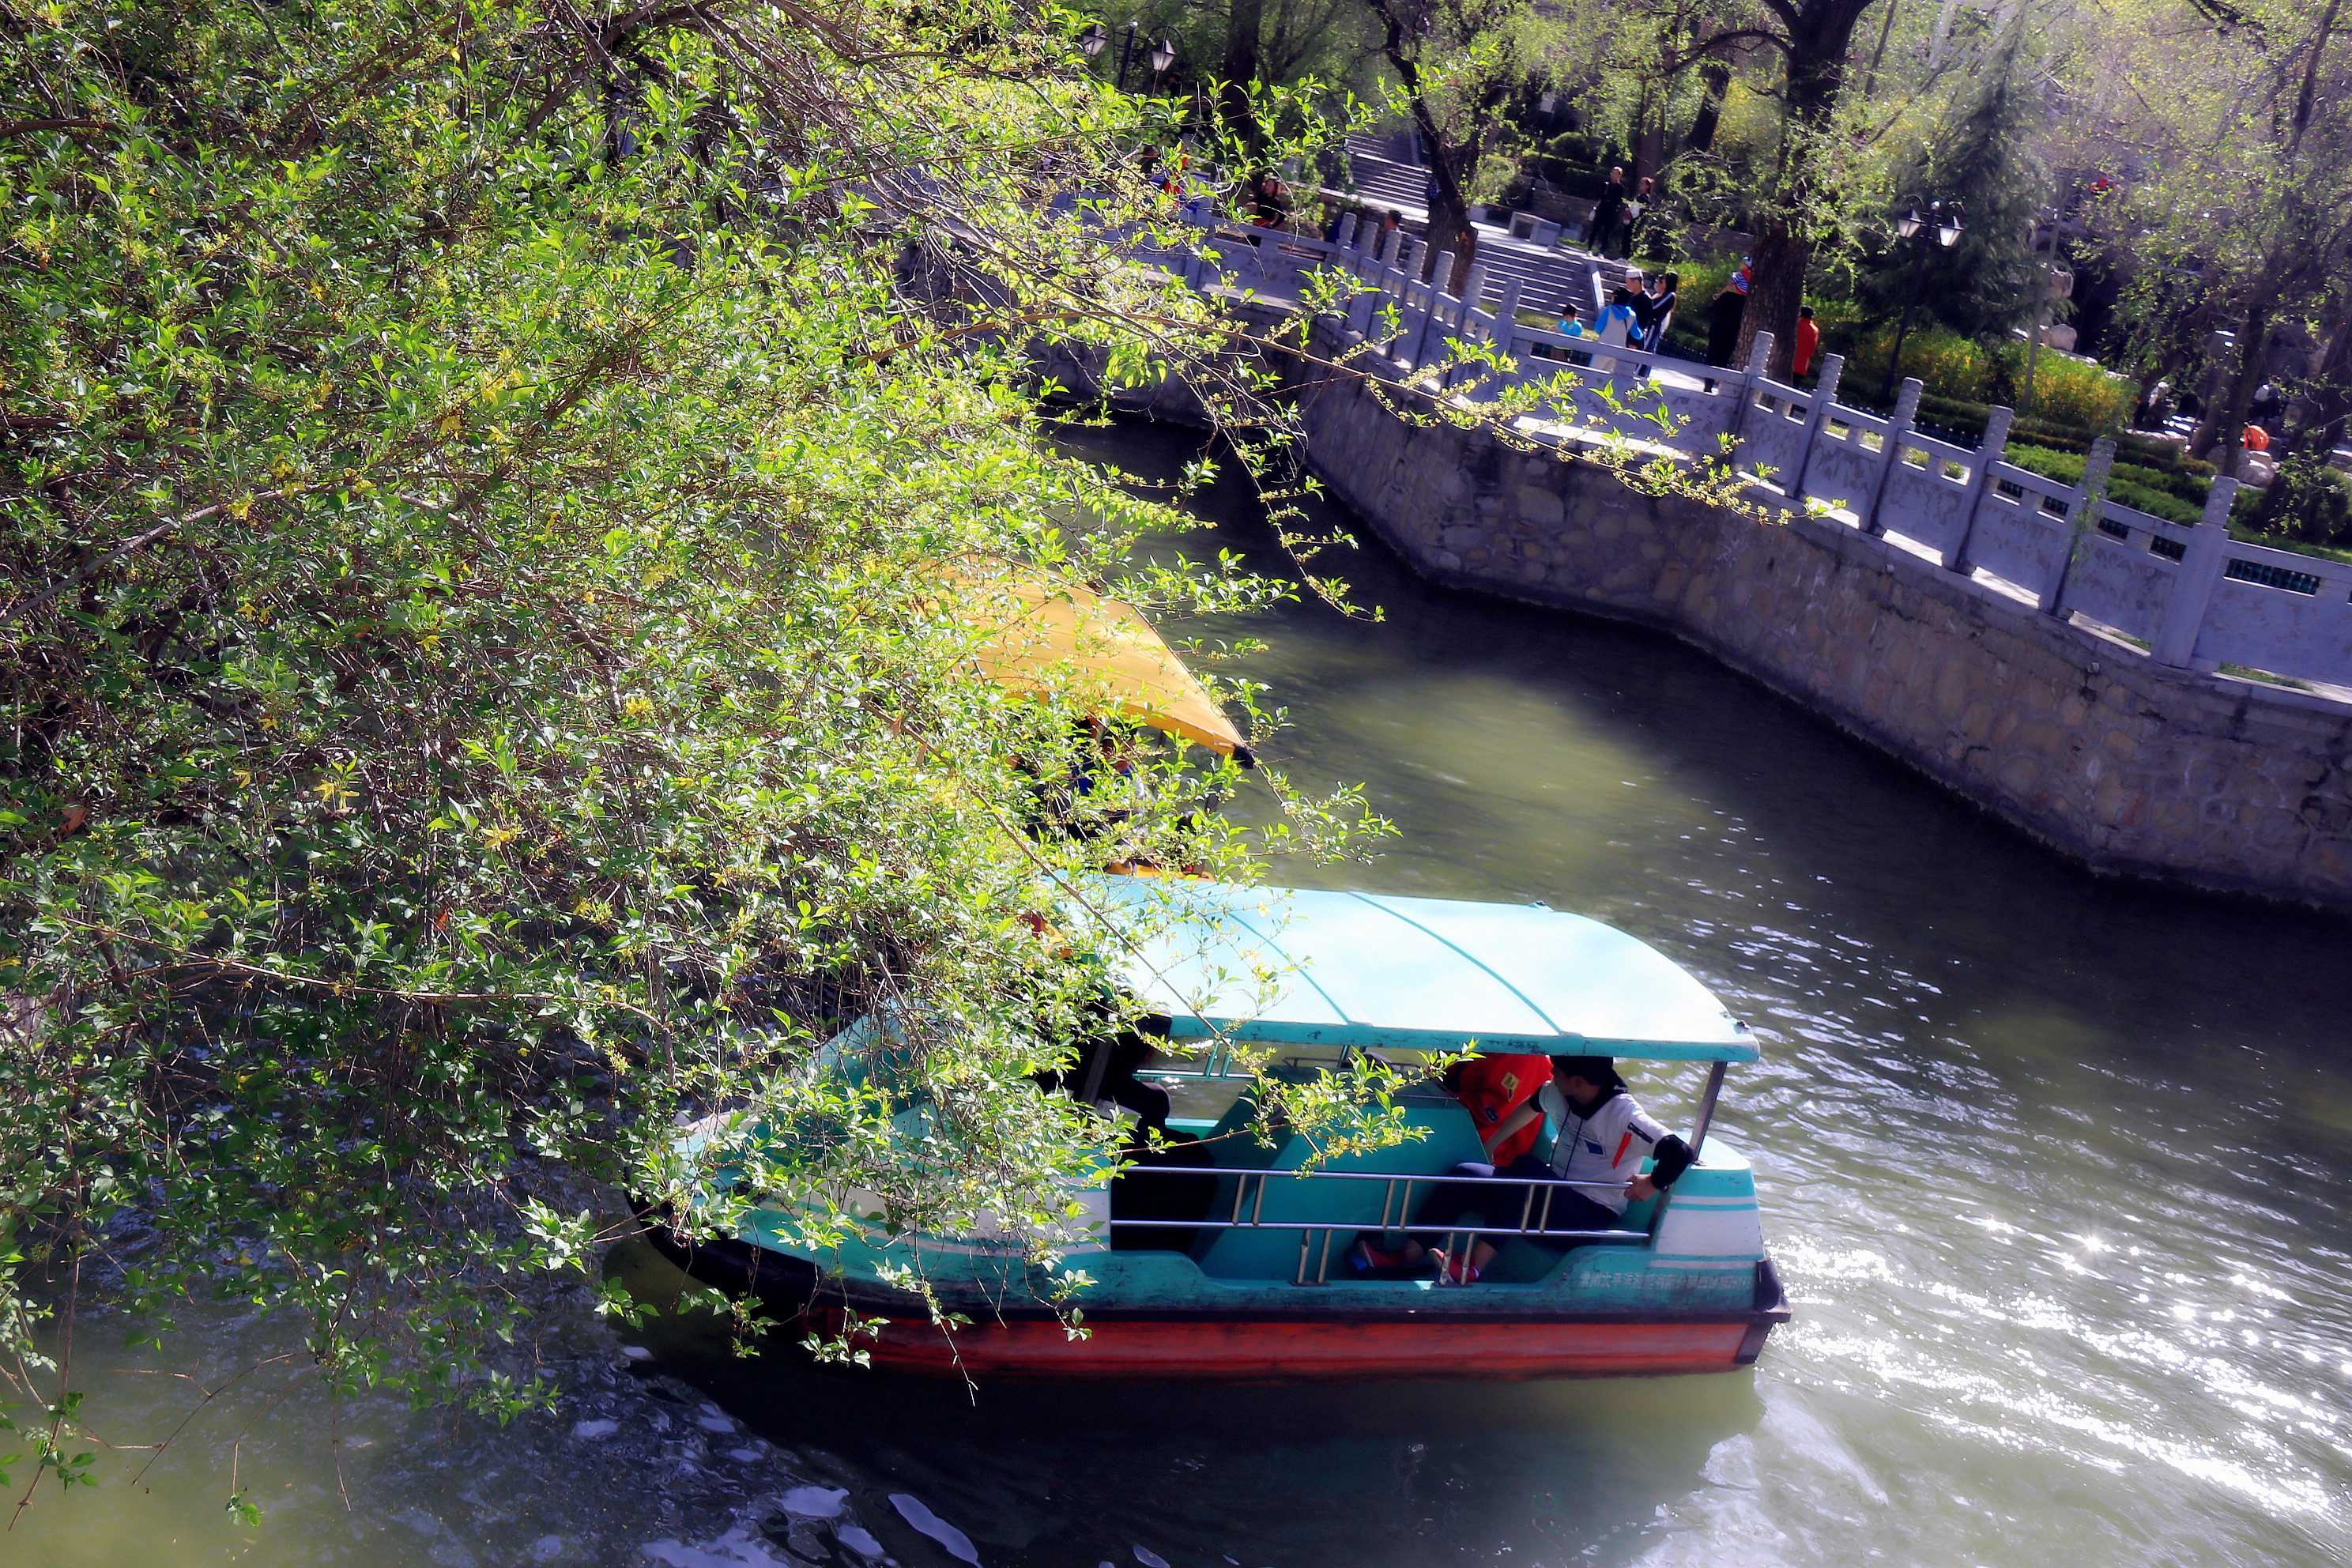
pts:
[1449, 210]
[1649, 136]
[1820, 33]
[1714, 84]
[1450, 228]
[1245, 20]
[1775, 287]
[2250, 355]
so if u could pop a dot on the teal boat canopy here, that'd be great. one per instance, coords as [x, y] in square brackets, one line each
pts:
[1362, 971]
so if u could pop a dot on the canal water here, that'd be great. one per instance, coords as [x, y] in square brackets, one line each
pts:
[2053, 1168]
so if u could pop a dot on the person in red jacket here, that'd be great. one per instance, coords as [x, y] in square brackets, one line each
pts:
[1808, 339]
[1490, 1089]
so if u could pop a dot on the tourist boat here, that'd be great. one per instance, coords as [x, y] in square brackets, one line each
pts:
[1235, 1267]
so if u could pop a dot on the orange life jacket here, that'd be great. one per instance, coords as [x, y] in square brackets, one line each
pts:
[1492, 1088]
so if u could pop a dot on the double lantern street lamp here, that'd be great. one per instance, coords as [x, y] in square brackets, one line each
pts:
[1160, 56]
[1946, 226]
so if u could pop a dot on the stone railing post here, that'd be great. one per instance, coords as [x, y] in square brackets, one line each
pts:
[1346, 231]
[1392, 248]
[1825, 394]
[2192, 584]
[1898, 425]
[1366, 301]
[1988, 451]
[1432, 318]
[1746, 379]
[1507, 327]
[2081, 517]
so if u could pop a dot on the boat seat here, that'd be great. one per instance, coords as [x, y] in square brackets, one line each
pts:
[1346, 1206]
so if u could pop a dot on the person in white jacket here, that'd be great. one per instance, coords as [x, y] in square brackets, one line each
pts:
[1603, 1136]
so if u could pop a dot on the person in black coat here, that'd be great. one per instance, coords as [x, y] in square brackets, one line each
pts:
[1723, 319]
[1606, 211]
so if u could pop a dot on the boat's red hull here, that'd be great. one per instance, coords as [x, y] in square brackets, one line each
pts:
[1472, 1335]
[1263, 1350]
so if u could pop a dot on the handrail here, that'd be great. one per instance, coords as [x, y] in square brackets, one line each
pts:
[1580, 1237]
[1375, 1176]
[2012, 519]
[1454, 1234]
[1532, 1223]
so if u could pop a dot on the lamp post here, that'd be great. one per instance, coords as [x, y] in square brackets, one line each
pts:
[2035, 245]
[1158, 55]
[1946, 226]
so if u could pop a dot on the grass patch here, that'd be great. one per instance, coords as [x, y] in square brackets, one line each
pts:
[2244, 672]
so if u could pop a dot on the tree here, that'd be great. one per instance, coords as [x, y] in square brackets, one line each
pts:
[1814, 39]
[2239, 128]
[1988, 159]
[1457, 62]
[487, 500]
[2303, 496]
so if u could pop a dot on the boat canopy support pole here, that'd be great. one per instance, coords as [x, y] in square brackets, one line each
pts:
[1706, 1108]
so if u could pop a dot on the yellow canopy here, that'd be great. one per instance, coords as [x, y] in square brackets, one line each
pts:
[1035, 627]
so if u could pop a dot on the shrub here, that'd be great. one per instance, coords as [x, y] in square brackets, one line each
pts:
[1949, 366]
[2064, 467]
[2124, 491]
[2314, 506]
[484, 667]
[2142, 490]
[2067, 392]
[2163, 456]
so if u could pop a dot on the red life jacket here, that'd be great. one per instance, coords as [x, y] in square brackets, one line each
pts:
[1493, 1087]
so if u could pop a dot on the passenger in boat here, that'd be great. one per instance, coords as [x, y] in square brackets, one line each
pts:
[1603, 1133]
[1070, 803]
[1129, 1050]
[1492, 1090]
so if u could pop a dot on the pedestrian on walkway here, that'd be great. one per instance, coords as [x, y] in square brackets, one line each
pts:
[1653, 309]
[1606, 211]
[1618, 325]
[1644, 197]
[1723, 319]
[1808, 339]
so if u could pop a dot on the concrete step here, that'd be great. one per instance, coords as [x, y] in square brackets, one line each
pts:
[1383, 183]
[1554, 279]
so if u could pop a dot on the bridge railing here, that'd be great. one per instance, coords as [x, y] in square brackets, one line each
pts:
[2183, 596]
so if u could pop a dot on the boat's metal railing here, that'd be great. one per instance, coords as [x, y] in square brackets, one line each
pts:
[1396, 1198]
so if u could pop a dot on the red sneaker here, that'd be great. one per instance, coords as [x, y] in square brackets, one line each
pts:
[1455, 1270]
[1364, 1257]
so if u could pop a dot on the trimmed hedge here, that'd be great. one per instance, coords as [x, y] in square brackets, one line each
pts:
[1970, 419]
[2176, 498]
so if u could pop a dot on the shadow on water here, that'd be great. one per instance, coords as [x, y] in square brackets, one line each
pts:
[1202, 1474]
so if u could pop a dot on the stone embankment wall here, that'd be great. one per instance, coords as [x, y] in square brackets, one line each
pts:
[2127, 765]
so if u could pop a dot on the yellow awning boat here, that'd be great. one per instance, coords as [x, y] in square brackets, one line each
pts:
[1049, 637]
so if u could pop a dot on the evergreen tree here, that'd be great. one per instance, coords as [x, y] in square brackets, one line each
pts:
[1986, 159]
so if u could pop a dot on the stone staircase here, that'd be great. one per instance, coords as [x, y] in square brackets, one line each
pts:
[1556, 279]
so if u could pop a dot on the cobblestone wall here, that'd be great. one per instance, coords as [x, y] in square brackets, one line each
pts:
[2122, 764]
